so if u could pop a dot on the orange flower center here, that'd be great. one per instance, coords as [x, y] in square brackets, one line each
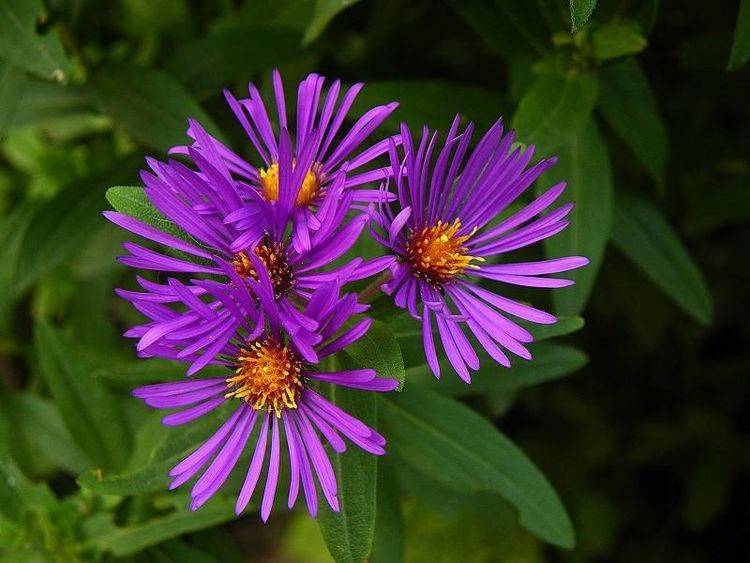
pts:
[437, 253]
[269, 183]
[273, 256]
[268, 376]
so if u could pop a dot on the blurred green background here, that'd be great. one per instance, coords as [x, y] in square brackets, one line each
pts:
[648, 106]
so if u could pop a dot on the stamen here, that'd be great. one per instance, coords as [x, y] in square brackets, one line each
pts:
[274, 258]
[268, 376]
[437, 254]
[269, 182]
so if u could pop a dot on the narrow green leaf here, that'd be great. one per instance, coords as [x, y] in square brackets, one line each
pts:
[12, 231]
[512, 28]
[61, 226]
[40, 430]
[629, 106]
[555, 109]
[128, 540]
[207, 64]
[91, 413]
[616, 39]
[584, 164]
[158, 448]
[550, 361]
[323, 13]
[349, 533]
[388, 545]
[432, 102]
[45, 102]
[20, 44]
[150, 105]
[132, 201]
[580, 12]
[642, 233]
[741, 46]
[12, 82]
[379, 350]
[458, 447]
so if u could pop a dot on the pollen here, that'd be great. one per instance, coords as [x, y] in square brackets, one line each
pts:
[268, 376]
[437, 254]
[269, 182]
[274, 258]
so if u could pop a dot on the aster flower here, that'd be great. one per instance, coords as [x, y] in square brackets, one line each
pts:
[448, 231]
[274, 386]
[298, 171]
[229, 218]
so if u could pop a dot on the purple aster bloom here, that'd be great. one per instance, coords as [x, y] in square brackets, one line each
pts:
[448, 230]
[275, 384]
[299, 167]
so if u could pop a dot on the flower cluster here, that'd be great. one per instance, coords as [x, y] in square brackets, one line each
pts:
[256, 272]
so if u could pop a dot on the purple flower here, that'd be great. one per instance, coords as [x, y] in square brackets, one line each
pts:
[274, 386]
[448, 230]
[228, 219]
[298, 171]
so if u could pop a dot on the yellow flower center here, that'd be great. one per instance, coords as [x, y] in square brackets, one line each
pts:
[437, 254]
[268, 376]
[269, 183]
[273, 256]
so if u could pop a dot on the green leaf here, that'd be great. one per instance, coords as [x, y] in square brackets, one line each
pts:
[324, 12]
[150, 105]
[12, 82]
[563, 326]
[91, 413]
[555, 109]
[148, 370]
[642, 233]
[349, 533]
[61, 226]
[46, 102]
[580, 12]
[12, 231]
[128, 540]
[432, 102]
[629, 106]
[157, 449]
[388, 544]
[550, 361]
[39, 429]
[512, 28]
[461, 449]
[133, 201]
[584, 164]
[207, 64]
[18, 495]
[741, 45]
[378, 349]
[617, 39]
[42, 55]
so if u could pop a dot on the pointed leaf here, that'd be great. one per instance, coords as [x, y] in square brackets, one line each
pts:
[20, 44]
[741, 46]
[90, 412]
[629, 106]
[643, 234]
[461, 449]
[349, 533]
[149, 104]
[580, 12]
[584, 165]
[555, 109]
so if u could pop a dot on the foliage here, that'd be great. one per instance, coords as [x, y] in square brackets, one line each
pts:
[640, 448]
